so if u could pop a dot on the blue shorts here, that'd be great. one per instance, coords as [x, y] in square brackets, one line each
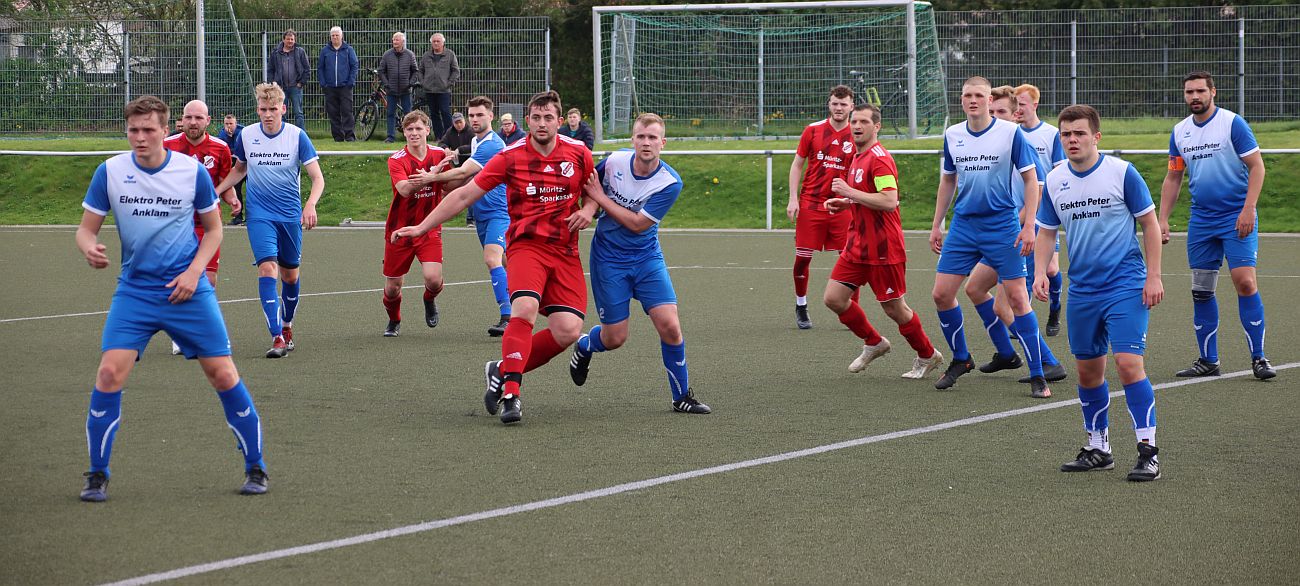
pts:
[277, 241]
[971, 239]
[614, 285]
[1118, 321]
[492, 231]
[1209, 241]
[195, 325]
[1029, 262]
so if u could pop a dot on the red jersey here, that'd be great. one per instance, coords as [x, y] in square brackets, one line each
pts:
[212, 152]
[409, 211]
[875, 237]
[541, 191]
[827, 152]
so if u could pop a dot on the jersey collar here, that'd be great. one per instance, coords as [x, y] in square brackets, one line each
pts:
[1207, 120]
[153, 170]
[1100, 157]
[980, 133]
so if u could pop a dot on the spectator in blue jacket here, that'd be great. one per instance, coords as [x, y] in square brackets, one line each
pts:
[288, 66]
[336, 70]
[230, 128]
[510, 131]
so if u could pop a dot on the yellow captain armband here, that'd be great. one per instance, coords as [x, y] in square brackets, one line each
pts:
[886, 182]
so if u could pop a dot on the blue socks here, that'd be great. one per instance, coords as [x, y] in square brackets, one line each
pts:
[270, 304]
[1141, 398]
[1205, 318]
[591, 342]
[1027, 330]
[101, 427]
[1054, 283]
[499, 290]
[1095, 402]
[1048, 357]
[675, 361]
[242, 418]
[951, 321]
[997, 331]
[290, 293]
[1251, 309]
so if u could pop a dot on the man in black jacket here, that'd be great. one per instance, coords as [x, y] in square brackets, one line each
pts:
[288, 66]
[396, 71]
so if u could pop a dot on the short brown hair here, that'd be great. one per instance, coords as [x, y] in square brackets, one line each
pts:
[548, 98]
[1081, 112]
[875, 112]
[574, 111]
[1004, 92]
[289, 32]
[147, 105]
[842, 92]
[483, 101]
[1198, 74]
[648, 118]
[977, 80]
[416, 116]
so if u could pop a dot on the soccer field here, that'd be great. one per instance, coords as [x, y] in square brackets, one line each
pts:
[385, 468]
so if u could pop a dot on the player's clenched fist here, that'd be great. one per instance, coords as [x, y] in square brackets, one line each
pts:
[406, 232]
[95, 256]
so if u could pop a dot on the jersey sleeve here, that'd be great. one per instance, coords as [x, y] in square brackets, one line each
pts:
[1058, 151]
[1176, 162]
[1041, 173]
[659, 204]
[947, 167]
[1023, 154]
[205, 193]
[237, 147]
[884, 174]
[396, 171]
[1136, 194]
[485, 151]
[306, 150]
[96, 201]
[805, 143]
[1243, 138]
[493, 174]
[1046, 216]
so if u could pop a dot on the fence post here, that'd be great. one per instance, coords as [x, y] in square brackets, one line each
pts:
[1074, 62]
[911, 70]
[202, 89]
[769, 189]
[1241, 66]
[126, 65]
[263, 58]
[760, 80]
[596, 80]
[548, 60]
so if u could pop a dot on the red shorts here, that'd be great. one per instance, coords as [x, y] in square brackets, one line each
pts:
[544, 273]
[888, 282]
[215, 262]
[821, 230]
[398, 257]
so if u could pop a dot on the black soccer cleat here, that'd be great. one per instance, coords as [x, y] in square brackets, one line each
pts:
[1090, 459]
[956, 368]
[1002, 362]
[1038, 388]
[499, 329]
[512, 409]
[1054, 322]
[1051, 372]
[579, 366]
[801, 318]
[431, 313]
[492, 374]
[1148, 465]
[1262, 369]
[1201, 367]
[96, 489]
[393, 330]
[689, 404]
[255, 481]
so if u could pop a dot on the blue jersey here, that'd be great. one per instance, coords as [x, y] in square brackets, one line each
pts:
[493, 204]
[986, 164]
[154, 211]
[1096, 209]
[1045, 139]
[1212, 154]
[274, 189]
[651, 196]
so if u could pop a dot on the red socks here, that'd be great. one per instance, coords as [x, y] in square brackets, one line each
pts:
[393, 306]
[856, 320]
[544, 349]
[802, 261]
[516, 344]
[916, 337]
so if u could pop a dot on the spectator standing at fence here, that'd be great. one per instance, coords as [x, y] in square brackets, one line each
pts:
[510, 132]
[288, 66]
[439, 72]
[230, 128]
[577, 129]
[397, 70]
[336, 70]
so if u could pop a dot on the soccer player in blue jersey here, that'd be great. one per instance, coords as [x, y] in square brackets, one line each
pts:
[270, 155]
[490, 216]
[1046, 141]
[981, 157]
[635, 189]
[153, 195]
[1217, 149]
[1095, 198]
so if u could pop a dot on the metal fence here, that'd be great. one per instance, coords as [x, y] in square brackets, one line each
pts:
[74, 76]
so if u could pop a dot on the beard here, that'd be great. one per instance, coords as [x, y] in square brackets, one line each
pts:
[1198, 107]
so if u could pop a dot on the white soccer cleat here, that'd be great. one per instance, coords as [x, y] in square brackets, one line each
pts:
[869, 353]
[923, 366]
[176, 350]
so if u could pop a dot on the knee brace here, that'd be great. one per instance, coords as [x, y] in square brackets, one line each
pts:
[1203, 284]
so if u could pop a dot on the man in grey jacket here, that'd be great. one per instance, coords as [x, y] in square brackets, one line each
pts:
[397, 70]
[287, 65]
[439, 71]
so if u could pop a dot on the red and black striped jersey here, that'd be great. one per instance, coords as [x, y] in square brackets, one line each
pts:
[541, 191]
[409, 211]
[827, 152]
[875, 237]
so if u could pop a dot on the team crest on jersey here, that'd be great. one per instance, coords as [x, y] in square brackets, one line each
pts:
[209, 162]
[566, 169]
[857, 175]
[847, 147]
[531, 189]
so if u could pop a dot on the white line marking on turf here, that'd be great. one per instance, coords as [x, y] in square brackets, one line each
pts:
[624, 488]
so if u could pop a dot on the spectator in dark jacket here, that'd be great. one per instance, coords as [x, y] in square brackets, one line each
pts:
[230, 128]
[397, 70]
[287, 65]
[510, 132]
[578, 129]
[457, 138]
[439, 72]
[336, 70]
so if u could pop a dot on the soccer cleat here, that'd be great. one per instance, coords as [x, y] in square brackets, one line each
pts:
[1090, 459]
[96, 490]
[278, 348]
[255, 481]
[176, 350]
[955, 370]
[1054, 322]
[579, 366]
[512, 409]
[801, 318]
[288, 336]
[689, 404]
[492, 374]
[869, 353]
[1001, 362]
[923, 366]
[1201, 367]
[1148, 465]
[1038, 388]
[1262, 369]
[431, 313]
[499, 329]
[393, 330]
[1051, 372]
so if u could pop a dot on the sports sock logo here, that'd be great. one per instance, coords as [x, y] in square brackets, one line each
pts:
[1256, 323]
[682, 363]
[97, 414]
[245, 412]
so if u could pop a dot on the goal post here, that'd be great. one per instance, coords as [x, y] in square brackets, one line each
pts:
[764, 69]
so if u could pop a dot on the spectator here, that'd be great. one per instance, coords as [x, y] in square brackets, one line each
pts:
[397, 69]
[230, 128]
[578, 129]
[439, 71]
[336, 71]
[288, 66]
[510, 132]
[457, 138]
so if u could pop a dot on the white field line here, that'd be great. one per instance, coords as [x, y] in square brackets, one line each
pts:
[624, 488]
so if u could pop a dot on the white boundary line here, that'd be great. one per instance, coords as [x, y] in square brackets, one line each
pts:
[624, 488]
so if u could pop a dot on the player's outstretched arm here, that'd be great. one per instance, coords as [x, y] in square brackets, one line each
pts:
[942, 200]
[236, 174]
[88, 240]
[1153, 292]
[1044, 247]
[317, 189]
[184, 284]
[1254, 183]
[796, 178]
[1032, 193]
[454, 203]
[456, 174]
[1169, 196]
[629, 219]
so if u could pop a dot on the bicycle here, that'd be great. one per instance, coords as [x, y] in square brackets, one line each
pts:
[368, 113]
[896, 102]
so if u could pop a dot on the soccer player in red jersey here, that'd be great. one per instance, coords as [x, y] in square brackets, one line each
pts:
[544, 177]
[415, 194]
[825, 148]
[874, 253]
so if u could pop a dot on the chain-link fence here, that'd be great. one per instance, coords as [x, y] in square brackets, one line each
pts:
[74, 76]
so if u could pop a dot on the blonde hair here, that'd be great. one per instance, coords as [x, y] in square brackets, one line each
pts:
[269, 92]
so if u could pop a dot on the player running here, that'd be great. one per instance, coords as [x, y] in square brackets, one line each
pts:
[874, 253]
[825, 148]
[270, 155]
[636, 189]
[154, 195]
[1095, 198]
[415, 194]
[544, 177]
[1218, 151]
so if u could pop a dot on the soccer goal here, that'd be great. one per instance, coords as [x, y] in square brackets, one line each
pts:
[765, 69]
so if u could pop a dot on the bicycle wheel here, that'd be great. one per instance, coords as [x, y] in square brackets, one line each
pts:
[367, 119]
